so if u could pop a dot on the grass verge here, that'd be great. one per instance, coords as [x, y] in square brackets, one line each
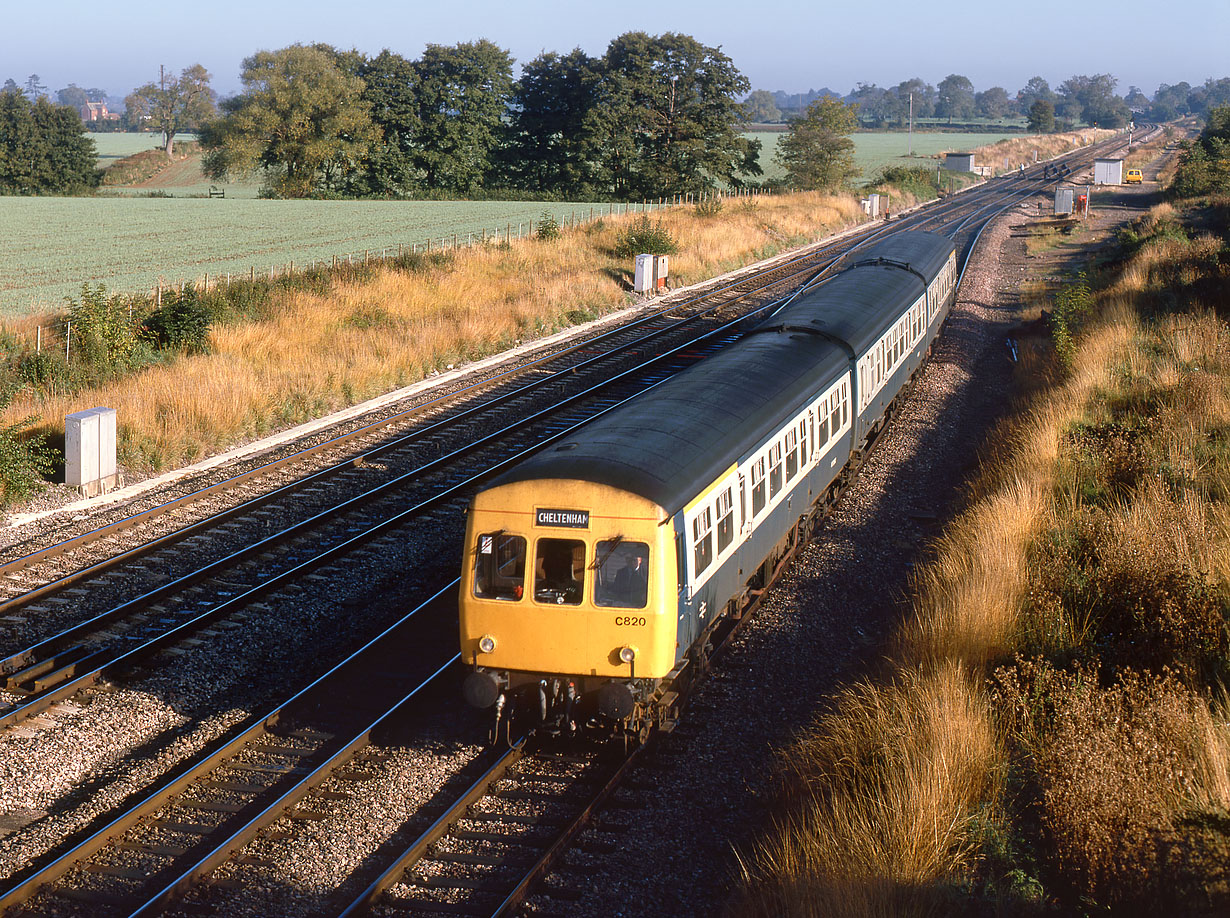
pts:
[1051, 733]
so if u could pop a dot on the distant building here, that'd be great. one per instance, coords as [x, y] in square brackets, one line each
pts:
[959, 162]
[97, 111]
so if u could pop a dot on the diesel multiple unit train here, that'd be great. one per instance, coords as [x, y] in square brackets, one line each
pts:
[595, 570]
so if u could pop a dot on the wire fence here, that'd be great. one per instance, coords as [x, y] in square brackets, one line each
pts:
[58, 333]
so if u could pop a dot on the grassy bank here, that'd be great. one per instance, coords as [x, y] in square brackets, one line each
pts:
[1050, 733]
[284, 351]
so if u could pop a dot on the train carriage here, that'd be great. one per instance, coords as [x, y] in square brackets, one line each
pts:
[597, 566]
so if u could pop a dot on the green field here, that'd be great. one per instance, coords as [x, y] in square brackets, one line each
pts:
[875, 150]
[53, 245]
[111, 147]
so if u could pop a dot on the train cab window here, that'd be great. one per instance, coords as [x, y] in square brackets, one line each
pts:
[702, 541]
[499, 566]
[792, 454]
[621, 576]
[775, 469]
[558, 570]
[726, 520]
[758, 498]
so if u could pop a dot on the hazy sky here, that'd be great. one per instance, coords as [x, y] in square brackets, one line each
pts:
[792, 46]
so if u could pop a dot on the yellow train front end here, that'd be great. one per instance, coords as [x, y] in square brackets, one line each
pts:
[569, 597]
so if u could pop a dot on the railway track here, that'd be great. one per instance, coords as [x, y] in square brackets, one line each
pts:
[309, 733]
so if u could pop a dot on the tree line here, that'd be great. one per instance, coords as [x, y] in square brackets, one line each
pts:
[1080, 99]
[653, 116]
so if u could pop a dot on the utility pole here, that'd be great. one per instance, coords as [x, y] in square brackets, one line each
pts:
[911, 141]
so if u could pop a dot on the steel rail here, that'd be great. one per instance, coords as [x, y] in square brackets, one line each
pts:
[187, 773]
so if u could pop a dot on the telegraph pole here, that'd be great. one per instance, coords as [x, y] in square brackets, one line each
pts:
[911, 142]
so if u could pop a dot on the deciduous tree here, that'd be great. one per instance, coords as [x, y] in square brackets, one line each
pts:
[1037, 88]
[992, 103]
[391, 89]
[954, 97]
[760, 107]
[300, 118]
[174, 103]
[817, 152]
[1042, 117]
[1093, 100]
[463, 94]
[668, 118]
[554, 142]
[43, 148]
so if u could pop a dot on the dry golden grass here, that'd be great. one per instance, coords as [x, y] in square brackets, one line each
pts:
[1015, 150]
[884, 796]
[323, 352]
[871, 824]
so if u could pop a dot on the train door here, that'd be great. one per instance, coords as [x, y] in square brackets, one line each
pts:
[745, 522]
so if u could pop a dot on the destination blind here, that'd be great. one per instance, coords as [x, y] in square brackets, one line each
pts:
[562, 519]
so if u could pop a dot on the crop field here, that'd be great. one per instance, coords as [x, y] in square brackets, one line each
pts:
[53, 245]
[873, 150]
[111, 147]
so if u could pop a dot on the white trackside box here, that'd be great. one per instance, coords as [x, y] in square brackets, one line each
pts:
[89, 451]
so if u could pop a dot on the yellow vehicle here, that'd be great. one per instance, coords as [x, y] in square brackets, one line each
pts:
[1133, 177]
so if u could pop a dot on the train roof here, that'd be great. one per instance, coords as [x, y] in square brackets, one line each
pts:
[676, 438]
[857, 306]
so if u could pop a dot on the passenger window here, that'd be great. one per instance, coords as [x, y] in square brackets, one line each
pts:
[499, 566]
[792, 454]
[775, 470]
[836, 417]
[702, 541]
[758, 498]
[803, 442]
[726, 520]
[622, 574]
[557, 571]
[822, 425]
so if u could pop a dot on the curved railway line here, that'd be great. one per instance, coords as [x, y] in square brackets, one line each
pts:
[149, 588]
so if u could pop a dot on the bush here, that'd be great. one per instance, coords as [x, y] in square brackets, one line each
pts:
[918, 181]
[180, 323]
[547, 227]
[104, 330]
[25, 460]
[1073, 307]
[1118, 775]
[645, 238]
[709, 207]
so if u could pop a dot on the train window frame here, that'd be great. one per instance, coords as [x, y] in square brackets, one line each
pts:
[702, 541]
[549, 587]
[620, 592]
[515, 590]
[775, 470]
[822, 424]
[802, 428]
[725, 520]
[792, 453]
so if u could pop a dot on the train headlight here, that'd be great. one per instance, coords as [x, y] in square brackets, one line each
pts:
[486, 644]
[627, 653]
